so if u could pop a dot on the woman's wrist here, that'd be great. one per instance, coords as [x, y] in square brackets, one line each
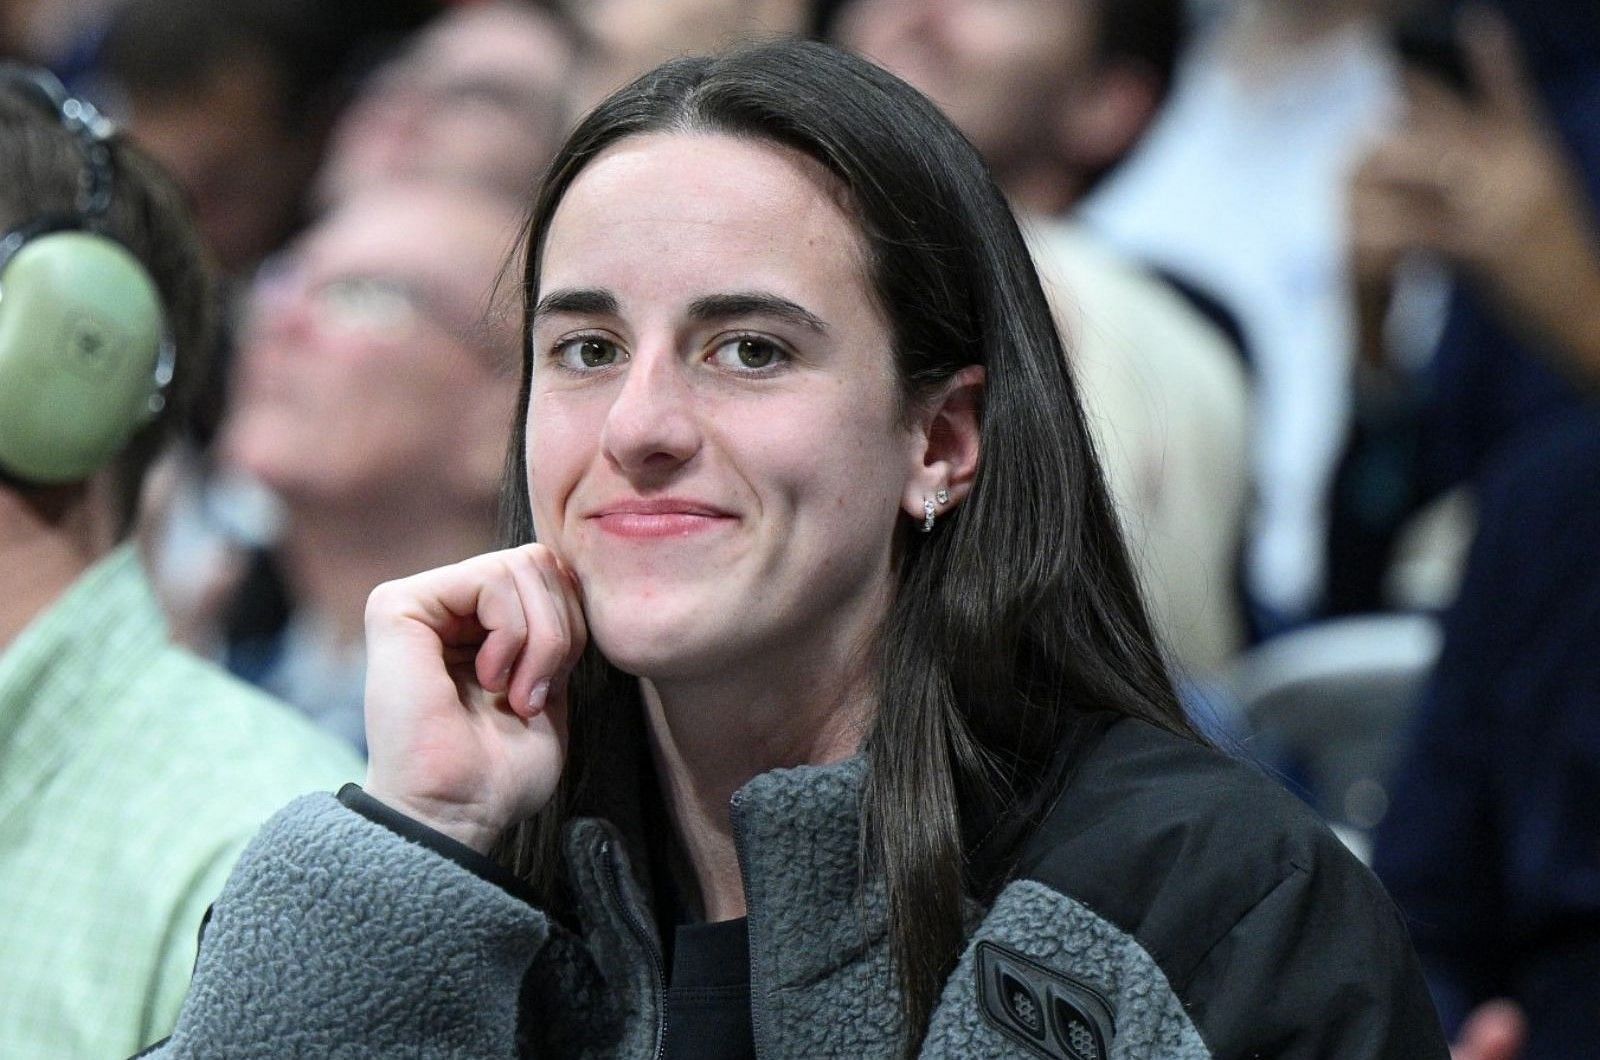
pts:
[409, 828]
[458, 822]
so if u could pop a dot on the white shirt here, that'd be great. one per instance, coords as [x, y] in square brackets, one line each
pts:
[1168, 406]
[1241, 187]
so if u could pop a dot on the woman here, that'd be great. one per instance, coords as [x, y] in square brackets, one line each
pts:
[828, 658]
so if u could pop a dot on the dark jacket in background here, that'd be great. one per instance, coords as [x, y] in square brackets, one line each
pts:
[1492, 844]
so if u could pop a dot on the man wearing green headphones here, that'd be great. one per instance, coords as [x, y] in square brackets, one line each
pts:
[131, 774]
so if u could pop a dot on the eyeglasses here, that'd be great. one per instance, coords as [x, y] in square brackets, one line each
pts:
[358, 304]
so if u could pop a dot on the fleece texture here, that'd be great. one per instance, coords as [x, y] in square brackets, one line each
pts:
[327, 937]
[820, 976]
[1137, 923]
[1057, 932]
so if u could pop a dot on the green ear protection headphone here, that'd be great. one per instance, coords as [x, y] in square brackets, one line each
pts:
[85, 358]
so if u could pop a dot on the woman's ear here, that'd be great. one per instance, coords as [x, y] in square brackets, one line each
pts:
[948, 444]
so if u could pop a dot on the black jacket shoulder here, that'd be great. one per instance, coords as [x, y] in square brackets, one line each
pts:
[1175, 842]
[1249, 904]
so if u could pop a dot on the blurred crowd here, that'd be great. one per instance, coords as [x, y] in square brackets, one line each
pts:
[1329, 273]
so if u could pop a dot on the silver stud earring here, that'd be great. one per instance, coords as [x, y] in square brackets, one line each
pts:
[942, 496]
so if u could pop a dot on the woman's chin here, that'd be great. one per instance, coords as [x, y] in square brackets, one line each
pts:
[658, 664]
[652, 650]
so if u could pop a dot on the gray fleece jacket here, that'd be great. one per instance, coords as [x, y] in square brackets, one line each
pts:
[1172, 904]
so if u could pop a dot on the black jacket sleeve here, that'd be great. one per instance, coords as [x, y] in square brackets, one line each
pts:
[1319, 968]
[1276, 940]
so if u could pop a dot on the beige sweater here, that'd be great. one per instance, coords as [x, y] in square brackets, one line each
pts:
[1168, 405]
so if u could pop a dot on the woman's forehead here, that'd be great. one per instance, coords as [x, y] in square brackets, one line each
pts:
[673, 209]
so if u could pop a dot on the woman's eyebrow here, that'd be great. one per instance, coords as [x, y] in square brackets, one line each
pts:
[593, 301]
[588, 301]
[717, 307]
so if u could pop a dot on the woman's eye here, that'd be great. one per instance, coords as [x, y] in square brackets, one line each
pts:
[587, 353]
[748, 352]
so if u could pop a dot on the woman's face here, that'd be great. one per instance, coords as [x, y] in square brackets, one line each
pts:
[715, 441]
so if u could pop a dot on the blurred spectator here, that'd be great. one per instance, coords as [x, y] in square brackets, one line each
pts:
[479, 96]
[1490, 846]
[1483, 182]
[1168, 404]
[1055, 93]
[131, 774]
[53, 33]
[629, 37]
[374, 392]
[236, 97]
[1498, 372]
[1479, 178]
[1240, 188]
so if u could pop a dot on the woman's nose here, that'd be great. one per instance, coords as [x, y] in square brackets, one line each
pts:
[652, 426]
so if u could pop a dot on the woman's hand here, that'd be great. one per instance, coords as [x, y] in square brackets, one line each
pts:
[466, 699]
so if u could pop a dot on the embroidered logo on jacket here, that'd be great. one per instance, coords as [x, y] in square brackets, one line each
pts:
[1052, 1014]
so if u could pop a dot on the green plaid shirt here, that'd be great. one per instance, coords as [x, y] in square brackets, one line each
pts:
[131, 775]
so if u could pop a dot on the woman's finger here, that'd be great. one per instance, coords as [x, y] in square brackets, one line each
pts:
[501, 613]
[475, 605]
[547, 645]
[443, 598]
[563, 586]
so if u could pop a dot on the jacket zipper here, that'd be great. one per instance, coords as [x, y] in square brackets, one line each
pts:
[642, 934]
[757, 997]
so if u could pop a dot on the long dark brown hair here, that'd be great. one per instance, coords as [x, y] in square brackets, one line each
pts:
[1019, 613]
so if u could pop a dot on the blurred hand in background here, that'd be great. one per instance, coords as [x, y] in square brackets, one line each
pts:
[1494, 1031]
[1480, 179]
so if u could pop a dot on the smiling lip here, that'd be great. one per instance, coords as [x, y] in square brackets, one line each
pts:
[658, 517]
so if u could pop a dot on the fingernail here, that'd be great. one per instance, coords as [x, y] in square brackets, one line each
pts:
[537, 697]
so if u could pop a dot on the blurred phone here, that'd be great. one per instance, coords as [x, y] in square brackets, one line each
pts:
[1428, 40]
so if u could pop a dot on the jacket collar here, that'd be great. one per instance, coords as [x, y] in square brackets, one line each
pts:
[816, 927]
[799, 837]
[798, 833]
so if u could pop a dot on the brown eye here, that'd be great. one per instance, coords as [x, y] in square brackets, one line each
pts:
[748, 352]
[587, 353]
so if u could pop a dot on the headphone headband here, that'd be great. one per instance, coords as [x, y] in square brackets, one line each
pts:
[90, 130]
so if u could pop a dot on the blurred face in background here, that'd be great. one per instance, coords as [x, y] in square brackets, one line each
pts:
[371, 372]
[1004, 71]
[630, 37]
[241, 158]
[480, 98]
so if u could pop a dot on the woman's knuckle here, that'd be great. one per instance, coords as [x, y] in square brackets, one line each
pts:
[537, 556]
[548, 641]
[385, 598]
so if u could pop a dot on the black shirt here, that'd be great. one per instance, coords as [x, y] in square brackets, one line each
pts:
[708, 994]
